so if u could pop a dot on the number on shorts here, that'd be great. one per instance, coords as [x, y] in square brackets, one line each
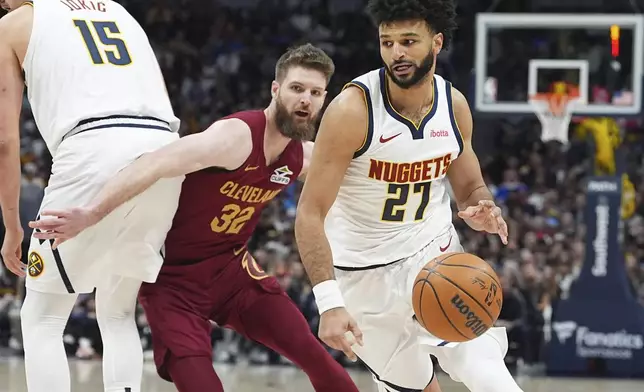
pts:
[394, 210]
[232, 219]
[114, 49]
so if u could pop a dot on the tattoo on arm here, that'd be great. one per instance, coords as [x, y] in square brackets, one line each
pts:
[315, 251]
[479, 193]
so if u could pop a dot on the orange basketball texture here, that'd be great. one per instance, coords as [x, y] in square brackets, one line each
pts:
[457, 297]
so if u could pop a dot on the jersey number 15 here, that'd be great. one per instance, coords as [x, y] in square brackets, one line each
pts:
[113, 47]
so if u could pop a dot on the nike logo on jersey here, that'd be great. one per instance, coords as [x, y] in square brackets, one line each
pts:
[444, 248]
[238, 251]
[388, 139]
[251, 168]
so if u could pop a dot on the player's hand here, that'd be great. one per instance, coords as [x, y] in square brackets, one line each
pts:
[61, 226]
[334, 325]
[12, 251]
[486, 216]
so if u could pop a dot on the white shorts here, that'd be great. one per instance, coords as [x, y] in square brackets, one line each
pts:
[128, 241]
[396, 348]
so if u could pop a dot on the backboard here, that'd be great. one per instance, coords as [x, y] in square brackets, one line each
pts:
[519, 55]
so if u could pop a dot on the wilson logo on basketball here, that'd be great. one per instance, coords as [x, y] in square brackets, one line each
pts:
[491, 294]
[438, 134]
[474, 322]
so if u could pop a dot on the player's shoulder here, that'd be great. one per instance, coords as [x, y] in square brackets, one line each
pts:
[459, 100]
[251, 119]
[350, 103]
[14, 21]
[233, 129]
[462, 112]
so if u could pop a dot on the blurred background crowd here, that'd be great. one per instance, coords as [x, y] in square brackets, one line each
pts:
[219, 57]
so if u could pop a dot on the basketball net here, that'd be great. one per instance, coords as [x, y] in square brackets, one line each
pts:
[554, 111]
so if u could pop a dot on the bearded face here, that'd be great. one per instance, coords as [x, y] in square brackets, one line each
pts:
[298, 123]
[409, 49]
[298, 101]
[406, 73]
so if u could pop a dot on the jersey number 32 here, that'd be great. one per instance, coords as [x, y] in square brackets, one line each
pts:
[112, 47]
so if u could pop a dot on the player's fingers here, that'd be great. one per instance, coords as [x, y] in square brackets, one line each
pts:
[356, 331]
[487, 203]
[47, 223]
[15, 266]
[58, 213]
[48, 235]
[58, 241]
[346, 348]
[503, 230]
[469, 212]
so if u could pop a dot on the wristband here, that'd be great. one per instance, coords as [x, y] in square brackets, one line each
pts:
[328, 296]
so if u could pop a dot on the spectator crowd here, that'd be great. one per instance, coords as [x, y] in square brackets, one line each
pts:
[218, 59]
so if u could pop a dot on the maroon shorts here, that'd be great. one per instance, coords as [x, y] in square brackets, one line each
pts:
[179, 305]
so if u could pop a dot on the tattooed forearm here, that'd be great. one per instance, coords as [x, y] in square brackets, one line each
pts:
[314, 248]
[479, 193]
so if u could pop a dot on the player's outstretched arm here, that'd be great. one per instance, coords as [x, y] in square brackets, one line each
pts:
[342, 132]
[11, 91]
[475, 202]
[226, 144]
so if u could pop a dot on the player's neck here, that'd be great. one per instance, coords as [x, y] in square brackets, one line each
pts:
[414, 98]
[274, 141]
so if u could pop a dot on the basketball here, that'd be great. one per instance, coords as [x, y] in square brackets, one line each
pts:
[457, 297]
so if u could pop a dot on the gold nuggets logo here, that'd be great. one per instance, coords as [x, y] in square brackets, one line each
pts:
[36, 265]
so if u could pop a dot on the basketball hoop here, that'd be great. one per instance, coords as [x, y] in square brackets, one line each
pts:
[554, 110]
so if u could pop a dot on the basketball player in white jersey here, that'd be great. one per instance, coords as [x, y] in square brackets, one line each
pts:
[99, 100]
[376, 207]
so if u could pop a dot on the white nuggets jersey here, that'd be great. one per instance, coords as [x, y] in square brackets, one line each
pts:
[91, 59]
[393, 200]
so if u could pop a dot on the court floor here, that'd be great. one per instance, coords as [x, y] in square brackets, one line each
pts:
[86, 377]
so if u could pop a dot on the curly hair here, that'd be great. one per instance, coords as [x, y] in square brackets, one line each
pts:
[440, 15]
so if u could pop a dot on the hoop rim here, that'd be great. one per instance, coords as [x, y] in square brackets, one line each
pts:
[548, 96]
[557, 109]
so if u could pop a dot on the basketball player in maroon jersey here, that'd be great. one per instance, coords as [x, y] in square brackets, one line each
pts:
[233, 170]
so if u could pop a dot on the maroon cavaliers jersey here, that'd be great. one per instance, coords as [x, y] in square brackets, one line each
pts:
[219, 209]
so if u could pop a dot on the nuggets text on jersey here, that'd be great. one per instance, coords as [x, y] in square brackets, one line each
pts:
[402, 173]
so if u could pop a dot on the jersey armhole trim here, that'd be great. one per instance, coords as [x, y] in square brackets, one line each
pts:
[452, 117]
[29, 3]
[369, 135]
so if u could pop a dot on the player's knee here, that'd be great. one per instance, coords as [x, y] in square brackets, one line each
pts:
[40, 329]
[35, 320]
[479, 364]
[111, 315]
[112, 311]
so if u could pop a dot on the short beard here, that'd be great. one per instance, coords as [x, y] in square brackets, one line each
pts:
[287, 125]
[420, 72]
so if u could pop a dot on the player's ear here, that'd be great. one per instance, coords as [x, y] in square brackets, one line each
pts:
[438, 43]
[275, 86]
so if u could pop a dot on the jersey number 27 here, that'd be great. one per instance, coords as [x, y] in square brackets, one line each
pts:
[394, 210]
[113, 48]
